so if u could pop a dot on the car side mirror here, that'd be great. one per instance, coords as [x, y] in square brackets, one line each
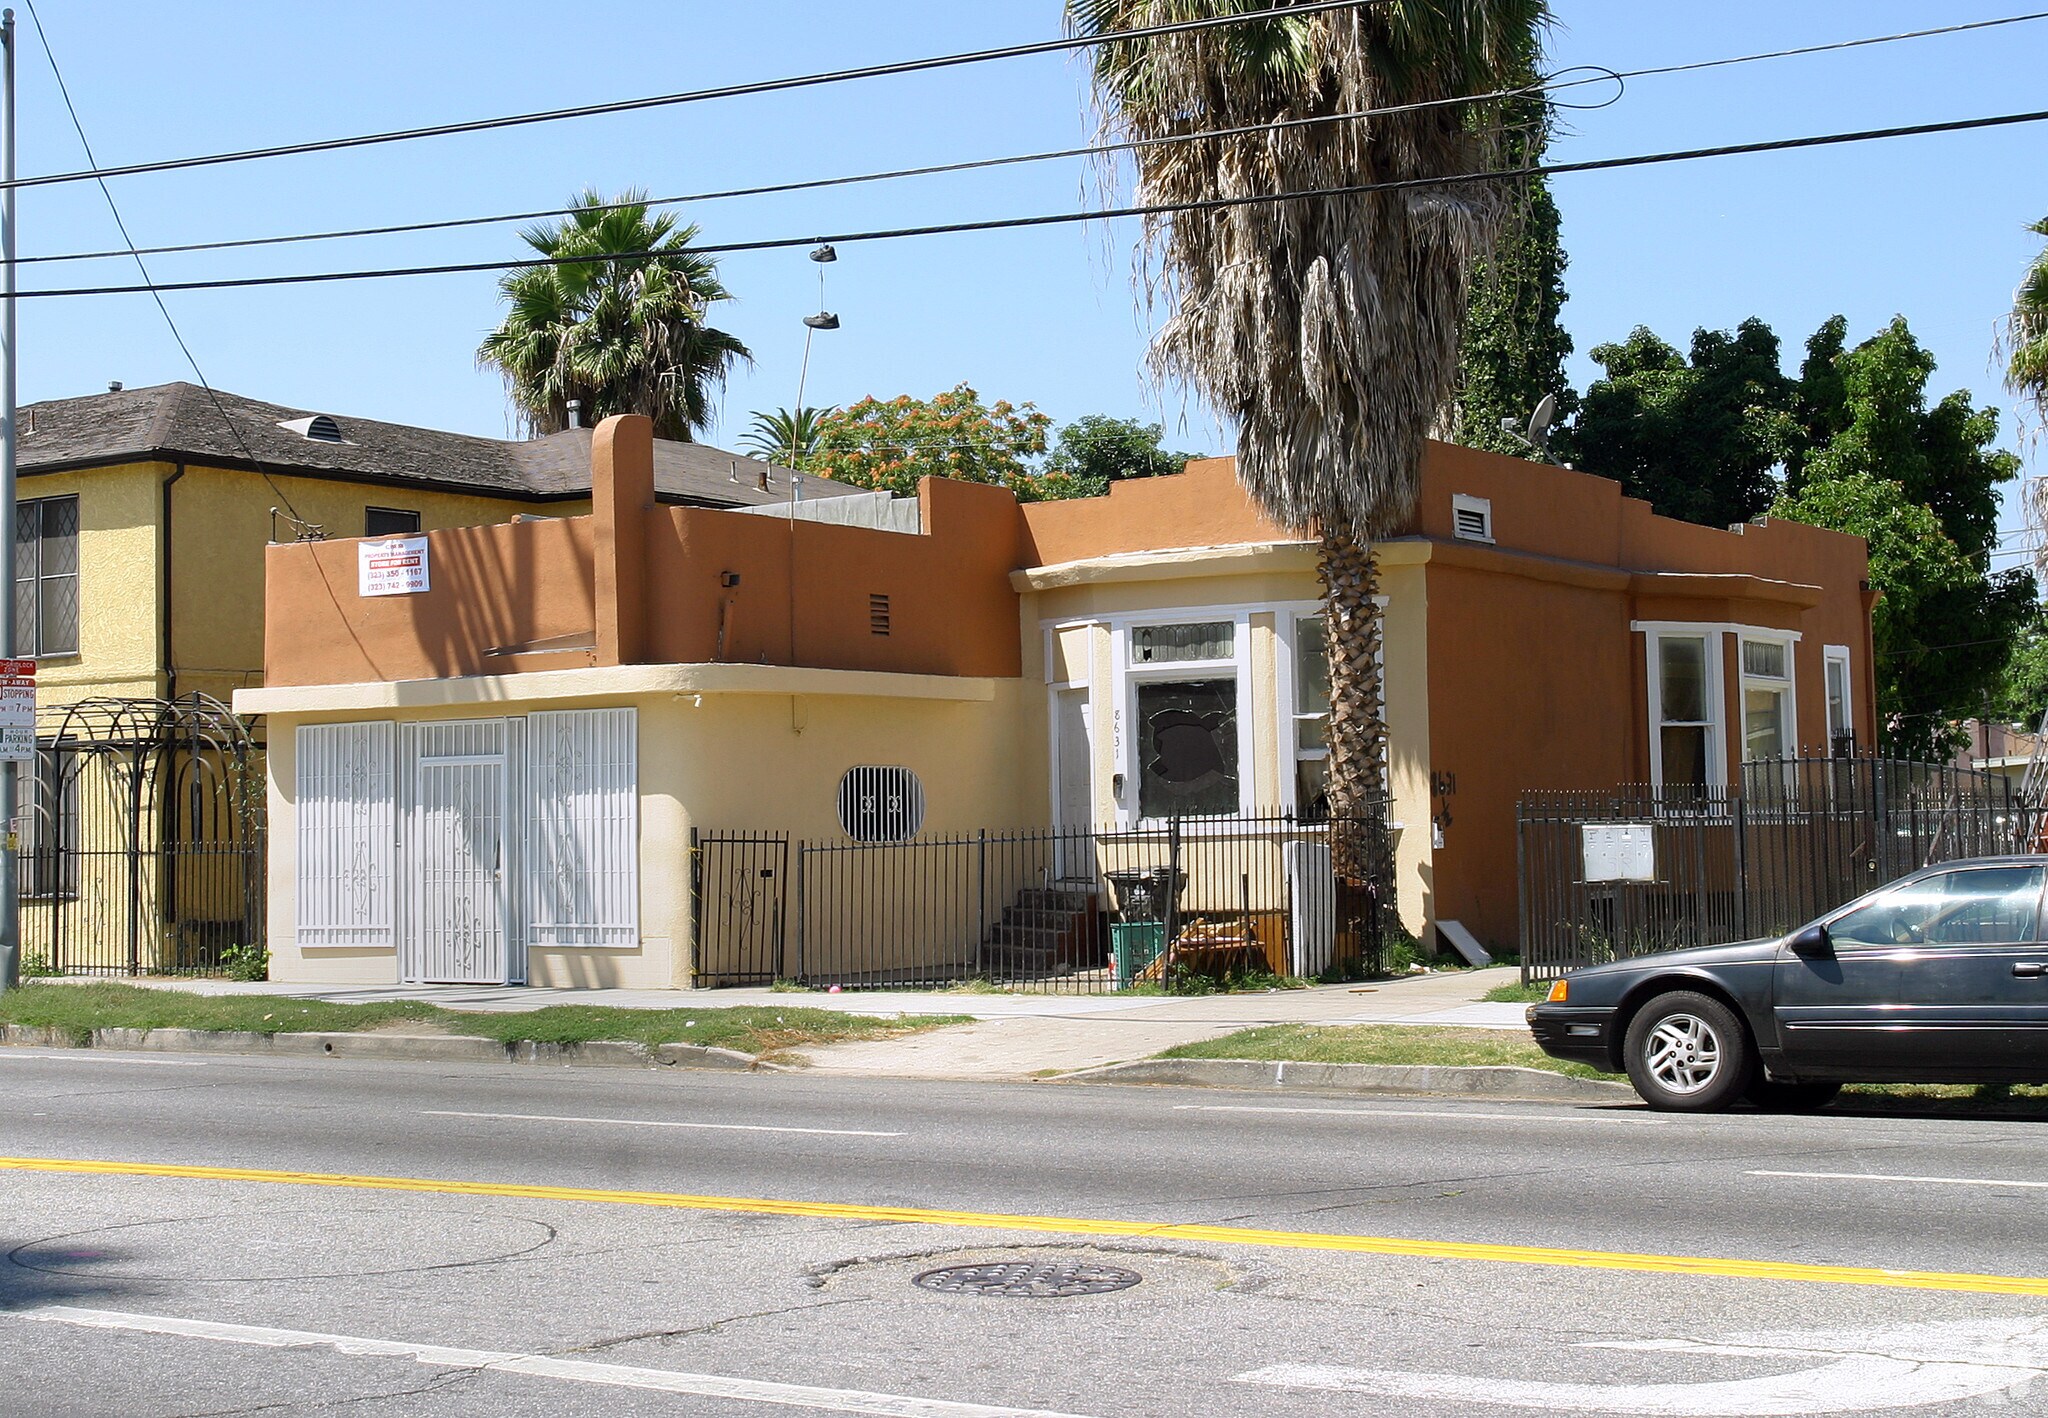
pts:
[1811, 941]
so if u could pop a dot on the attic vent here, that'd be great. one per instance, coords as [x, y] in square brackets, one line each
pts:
[1472, 518]
[318, 428]
[878, 614]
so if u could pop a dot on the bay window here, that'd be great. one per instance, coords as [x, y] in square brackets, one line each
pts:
[1768, 727]
[1685, 700]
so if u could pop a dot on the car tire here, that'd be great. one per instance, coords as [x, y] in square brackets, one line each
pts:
[1770, 1096]
[1688, 1053]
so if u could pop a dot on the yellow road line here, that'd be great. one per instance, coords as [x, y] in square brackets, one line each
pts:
[1717, 1266]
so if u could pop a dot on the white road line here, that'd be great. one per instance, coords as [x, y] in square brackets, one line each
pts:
[90, 1056]
[1421, 1113]
[659, 1123]
[837, 1400]
[1888, 1177]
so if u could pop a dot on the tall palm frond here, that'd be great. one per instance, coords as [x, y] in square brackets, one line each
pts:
[622, 332]
[787, 437]
[2026, 332]
[1326, 329]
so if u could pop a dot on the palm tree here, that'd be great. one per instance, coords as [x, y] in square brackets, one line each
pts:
[1325, 328]
[784, 437]
[622, 333]
[2026, 331]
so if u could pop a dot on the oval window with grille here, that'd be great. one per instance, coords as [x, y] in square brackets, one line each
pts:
[879, 804]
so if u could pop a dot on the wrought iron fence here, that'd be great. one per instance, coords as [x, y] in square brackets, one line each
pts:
[140, 846]
[1075, 910]
[1609, 875]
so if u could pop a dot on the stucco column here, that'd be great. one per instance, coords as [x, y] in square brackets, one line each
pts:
[621, 501]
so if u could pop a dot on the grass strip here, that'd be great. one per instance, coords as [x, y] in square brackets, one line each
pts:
[77, 1010]
[1515, 992]
[1380, 1044]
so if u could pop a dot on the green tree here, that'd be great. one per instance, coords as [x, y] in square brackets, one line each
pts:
[1695, 437]
[785, 437]
[1096, 450]
[1921, 484]
[889, 444]
[1325, 329]
[1515, 345]
[623, 332]
[2023, 684]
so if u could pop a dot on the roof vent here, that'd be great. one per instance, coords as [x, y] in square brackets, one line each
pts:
[113, 386]
[318, 428]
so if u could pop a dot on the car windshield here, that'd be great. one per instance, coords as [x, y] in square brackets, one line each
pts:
[1981, 906]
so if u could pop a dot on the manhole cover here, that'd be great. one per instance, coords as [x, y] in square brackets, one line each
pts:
[1032, 1279]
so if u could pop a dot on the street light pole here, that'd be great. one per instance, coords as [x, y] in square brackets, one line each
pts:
[10, 885]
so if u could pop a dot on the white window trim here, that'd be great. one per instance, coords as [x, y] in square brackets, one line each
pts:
[1129, 675]
[1288, 616]
[1656, 633]
[1464, 502]
[1832, 655]
[1788, 728]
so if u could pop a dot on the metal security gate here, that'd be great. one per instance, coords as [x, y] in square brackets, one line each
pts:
[739, 890]
[455, 851]
[141, 840]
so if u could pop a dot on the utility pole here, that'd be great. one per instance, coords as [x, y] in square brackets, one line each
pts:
[10, 861]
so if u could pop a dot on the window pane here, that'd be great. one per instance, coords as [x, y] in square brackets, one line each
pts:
[390, 522]
[1765, 658]
[1312, 789]
[1991, 907]
[1683, 663]
[59, 552]
[1895, 916]
[1311, 733]
[1187, 749]
[1763, 724]
[28, 531]
[26, 617]
[1685, 757]
[1311, 666]
[1838, 697]
[58, 619]
[1165, 644]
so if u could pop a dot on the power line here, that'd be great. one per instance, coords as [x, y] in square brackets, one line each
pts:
[1550, 84]
[723, 91]
[64, 91]
[1069, 218]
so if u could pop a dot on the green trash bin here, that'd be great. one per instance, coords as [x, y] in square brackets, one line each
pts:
[1136, 944]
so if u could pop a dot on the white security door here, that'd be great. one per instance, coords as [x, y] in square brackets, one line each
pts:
[456, 847]
[1073, 782]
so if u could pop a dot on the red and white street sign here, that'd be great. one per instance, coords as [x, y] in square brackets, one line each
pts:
[17, 711]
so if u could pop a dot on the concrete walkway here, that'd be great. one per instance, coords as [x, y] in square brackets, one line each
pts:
[1014, 1036]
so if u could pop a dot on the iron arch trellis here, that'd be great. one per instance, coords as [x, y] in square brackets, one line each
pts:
[141, 838]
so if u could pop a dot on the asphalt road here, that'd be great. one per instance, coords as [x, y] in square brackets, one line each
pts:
[212, 1236]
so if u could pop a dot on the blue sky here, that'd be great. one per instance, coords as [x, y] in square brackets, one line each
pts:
[1932, 228]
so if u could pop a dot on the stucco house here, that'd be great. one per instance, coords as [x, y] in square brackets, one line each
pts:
[499, 778]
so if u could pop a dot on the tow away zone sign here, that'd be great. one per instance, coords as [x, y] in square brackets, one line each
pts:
[17, 711]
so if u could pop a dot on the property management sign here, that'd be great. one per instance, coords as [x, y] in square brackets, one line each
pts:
[394, 568]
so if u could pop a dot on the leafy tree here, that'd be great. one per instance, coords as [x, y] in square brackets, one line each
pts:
[624, 332]
[1515, 345]
[1096, 450]
[784, 437]
[1696, 437]
[1921, 485]
[2023, 692]
[1325, 329]
[889, 444]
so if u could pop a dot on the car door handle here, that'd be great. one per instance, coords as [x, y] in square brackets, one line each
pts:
[2030, 969]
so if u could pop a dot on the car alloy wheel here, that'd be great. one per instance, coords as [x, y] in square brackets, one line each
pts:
[1688, 1052]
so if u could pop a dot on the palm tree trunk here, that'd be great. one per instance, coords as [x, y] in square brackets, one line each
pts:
[1357, 730]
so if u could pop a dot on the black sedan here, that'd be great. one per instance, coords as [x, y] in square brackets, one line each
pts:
[1940, 977]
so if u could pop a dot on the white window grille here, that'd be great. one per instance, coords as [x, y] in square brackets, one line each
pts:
[345, 833]
[1472, 517]
[881, 804]
[583, 852]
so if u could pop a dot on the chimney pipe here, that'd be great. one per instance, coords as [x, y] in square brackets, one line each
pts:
[575, 413]
[113, 386]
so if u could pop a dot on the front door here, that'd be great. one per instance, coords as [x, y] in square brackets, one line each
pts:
[455, 851]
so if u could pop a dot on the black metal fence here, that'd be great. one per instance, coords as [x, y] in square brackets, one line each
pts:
[1609, 875]
[140, 833]
[1071, 910]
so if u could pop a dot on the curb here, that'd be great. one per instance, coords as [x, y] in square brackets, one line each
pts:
[1409, 1080]
[414, 1048]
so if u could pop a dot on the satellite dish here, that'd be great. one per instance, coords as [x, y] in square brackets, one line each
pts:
[1540, 421]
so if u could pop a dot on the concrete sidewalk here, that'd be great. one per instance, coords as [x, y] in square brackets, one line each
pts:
[1013, 1036]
